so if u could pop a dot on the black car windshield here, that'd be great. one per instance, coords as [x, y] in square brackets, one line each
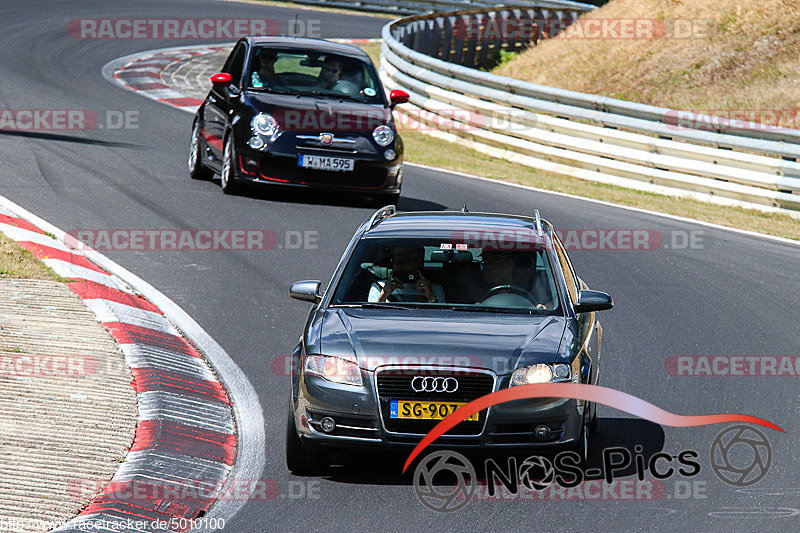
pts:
[410, 272]
[310, 72]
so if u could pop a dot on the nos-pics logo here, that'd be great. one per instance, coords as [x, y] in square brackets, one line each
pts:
[446, 481]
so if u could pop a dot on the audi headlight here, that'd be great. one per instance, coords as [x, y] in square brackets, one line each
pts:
[540, 373]
[334, 369]
[383, 135]
[264, 124]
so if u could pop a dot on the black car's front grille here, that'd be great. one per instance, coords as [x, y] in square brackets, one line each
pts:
[397, 385]
[333, 149]
[470, 386]
[363, 175]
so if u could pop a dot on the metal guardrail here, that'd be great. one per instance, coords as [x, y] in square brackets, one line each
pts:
[590, 136]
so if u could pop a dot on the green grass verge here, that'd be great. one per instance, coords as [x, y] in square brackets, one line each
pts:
[17, 262]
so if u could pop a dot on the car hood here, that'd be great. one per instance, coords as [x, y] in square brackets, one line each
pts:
[317, 112]
[497, 341]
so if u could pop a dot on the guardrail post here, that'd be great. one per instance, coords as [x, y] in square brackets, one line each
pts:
[487, 38]
[511, 30]
[427, 37]
[447, 38]
[474, 31]
[530, 17]
[573, 16]
[548, 25]
[563, 21]
[461, 33]
[418, 33]
[436, 37]
[405, 36]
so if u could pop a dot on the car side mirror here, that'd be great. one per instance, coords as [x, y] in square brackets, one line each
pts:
[398, 97]
[223, 79]
[590, 301]
[306, 291]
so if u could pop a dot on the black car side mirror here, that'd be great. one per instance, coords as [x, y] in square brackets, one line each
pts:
[306, 291]
[398, 96]
[223, 79]
[589, 301]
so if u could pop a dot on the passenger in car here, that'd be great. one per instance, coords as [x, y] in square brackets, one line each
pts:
[405, 281]
[263, 75]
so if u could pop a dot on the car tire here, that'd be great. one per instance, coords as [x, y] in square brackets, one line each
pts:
[301, 459]
[227, 177]
[582, 446]
[592, 425]
[591, 407]
[197, 169]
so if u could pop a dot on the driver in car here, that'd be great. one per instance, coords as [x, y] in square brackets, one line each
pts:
[498, 271]
[405, 282]
[330, 78]
[329, 74]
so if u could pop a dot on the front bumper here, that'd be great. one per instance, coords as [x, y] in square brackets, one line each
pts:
[360, 419]
[277, 164]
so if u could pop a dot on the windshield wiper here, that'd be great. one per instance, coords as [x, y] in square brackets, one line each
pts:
[377, 305]
[269, 90]
[347, 97]
[489, 309]
[338, 96]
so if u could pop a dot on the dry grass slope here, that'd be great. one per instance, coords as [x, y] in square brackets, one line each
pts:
[16, 262]
[748, 60]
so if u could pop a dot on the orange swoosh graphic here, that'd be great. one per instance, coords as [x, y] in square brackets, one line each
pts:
[578, 391]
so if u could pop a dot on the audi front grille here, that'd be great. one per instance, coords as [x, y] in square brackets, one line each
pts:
[400, 384]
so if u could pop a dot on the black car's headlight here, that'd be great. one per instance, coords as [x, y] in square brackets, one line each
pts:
[383, 135]
[540, 373]
[264, 124]
[335, 369]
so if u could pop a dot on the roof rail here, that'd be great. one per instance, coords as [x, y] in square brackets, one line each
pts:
[539, 229]
[380, 214]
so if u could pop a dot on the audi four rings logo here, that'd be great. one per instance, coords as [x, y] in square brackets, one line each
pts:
[431, 384]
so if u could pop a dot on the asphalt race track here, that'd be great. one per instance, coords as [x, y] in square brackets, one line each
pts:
[731, 294]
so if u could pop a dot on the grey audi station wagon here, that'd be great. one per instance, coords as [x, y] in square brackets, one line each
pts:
[427, 311]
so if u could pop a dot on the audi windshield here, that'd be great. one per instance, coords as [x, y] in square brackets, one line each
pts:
[408, 273]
